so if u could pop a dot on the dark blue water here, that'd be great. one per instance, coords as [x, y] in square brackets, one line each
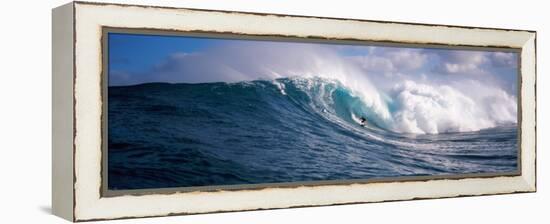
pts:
[181, 135]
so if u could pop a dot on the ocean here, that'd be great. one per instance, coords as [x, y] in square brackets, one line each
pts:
[163, 135]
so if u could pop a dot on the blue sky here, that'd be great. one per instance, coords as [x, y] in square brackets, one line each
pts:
[136, 59]
[136, 53]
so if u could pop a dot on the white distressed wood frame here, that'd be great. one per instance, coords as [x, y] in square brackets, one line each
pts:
[77, 110]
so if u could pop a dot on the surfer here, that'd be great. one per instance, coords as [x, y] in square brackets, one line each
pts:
[363, 120]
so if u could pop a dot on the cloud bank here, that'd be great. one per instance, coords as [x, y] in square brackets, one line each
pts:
[248, 60]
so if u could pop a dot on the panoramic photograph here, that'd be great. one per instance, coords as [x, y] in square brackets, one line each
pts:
[197, 111]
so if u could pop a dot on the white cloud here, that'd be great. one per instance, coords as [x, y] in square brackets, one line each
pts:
[389, 60]
[375, 63]
[462, 62]
[474, 62]
[408, 59]
[504, 59]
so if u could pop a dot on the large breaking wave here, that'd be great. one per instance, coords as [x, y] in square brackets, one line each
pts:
[408, 107]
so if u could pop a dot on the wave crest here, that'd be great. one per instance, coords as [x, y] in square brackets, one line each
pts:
[409, 107]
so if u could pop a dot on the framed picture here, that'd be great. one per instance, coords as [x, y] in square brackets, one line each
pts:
[165, 111]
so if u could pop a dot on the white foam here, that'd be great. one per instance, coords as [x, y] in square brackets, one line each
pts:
[432, 109]
[280, 86]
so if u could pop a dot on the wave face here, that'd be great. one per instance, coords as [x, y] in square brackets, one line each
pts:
[303, 129]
